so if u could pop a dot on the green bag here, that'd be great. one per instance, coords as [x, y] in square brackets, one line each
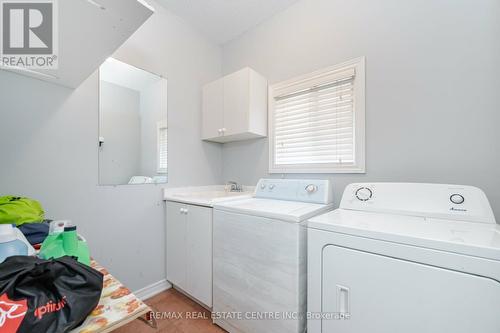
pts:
[18, 210]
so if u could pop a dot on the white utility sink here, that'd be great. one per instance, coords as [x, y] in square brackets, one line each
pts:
[205, 195]
[210, 194]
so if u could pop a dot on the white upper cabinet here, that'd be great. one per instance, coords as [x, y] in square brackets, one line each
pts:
[88, 33]
[235, 107]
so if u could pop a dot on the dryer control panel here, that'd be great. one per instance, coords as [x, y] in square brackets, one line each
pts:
[457, 202]
[304, 190]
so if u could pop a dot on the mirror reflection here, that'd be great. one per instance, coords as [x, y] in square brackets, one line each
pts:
[132, 125]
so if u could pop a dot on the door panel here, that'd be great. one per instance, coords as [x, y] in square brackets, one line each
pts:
[259, 266]
[236, 102]
[213, 109]
[199, 249]
[386, 295]
[176, 244]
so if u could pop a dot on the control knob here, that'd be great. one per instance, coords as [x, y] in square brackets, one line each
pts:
[311, 188]
[364, 194]
[457, 199]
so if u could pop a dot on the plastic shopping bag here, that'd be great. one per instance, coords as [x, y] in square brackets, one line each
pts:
[49, 296]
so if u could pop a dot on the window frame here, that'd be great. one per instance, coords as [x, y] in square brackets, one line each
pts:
[308, 81]
[161, 125]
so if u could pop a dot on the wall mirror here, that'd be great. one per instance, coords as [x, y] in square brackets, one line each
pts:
[132, 125]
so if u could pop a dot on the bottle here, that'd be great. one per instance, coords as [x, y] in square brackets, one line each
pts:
[11, 243]
[70, 241]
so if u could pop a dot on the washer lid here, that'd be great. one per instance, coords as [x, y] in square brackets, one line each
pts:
[290, 211]
[469, 238]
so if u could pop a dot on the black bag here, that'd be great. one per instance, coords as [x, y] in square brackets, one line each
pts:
[48, 296]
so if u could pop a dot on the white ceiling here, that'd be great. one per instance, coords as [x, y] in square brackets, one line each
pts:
[224, 20]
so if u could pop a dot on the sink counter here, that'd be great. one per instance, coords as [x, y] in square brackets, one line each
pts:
[205, 195]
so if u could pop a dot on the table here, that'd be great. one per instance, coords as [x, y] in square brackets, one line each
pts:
[117, 307]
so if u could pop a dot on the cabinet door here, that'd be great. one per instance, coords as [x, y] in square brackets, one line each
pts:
[176, 244]
[213, 109]
[236, 102]
[199, 263]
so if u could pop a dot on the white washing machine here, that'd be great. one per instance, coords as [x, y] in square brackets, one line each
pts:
[413, 258]
[259, 256]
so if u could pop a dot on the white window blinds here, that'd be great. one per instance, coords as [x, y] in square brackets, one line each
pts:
[314, 124]
[162, 148]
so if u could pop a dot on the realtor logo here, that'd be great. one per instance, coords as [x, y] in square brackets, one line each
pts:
[29, 33]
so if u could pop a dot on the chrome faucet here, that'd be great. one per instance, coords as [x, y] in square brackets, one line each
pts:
[234, 186]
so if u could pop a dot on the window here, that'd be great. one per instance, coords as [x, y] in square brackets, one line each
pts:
[162, 147]
[317, 121]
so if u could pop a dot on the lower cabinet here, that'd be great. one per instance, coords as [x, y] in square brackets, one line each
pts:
[189, 250]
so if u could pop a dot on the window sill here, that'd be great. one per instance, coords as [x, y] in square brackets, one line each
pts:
[349, 169]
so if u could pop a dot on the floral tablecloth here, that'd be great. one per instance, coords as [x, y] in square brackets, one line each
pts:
[117, 306]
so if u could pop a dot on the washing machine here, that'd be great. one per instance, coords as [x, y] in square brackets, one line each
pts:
[259, 256]
[413, 258]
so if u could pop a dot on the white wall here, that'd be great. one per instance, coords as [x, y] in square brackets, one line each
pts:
[48, 149]
[432, 80]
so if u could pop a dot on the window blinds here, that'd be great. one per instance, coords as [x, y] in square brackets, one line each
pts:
[162, 150]
[314, 123]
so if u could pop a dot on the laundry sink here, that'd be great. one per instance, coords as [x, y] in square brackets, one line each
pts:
[209, 194]
[205, 195]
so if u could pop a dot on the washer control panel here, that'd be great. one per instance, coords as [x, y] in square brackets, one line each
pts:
[305, 190]
[457, 202]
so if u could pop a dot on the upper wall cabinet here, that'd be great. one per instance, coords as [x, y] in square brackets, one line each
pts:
[235, 107]
[84, 34]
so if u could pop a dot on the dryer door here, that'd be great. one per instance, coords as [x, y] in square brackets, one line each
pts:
[365, 292]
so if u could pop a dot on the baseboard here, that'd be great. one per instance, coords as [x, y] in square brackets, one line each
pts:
[152, 289]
